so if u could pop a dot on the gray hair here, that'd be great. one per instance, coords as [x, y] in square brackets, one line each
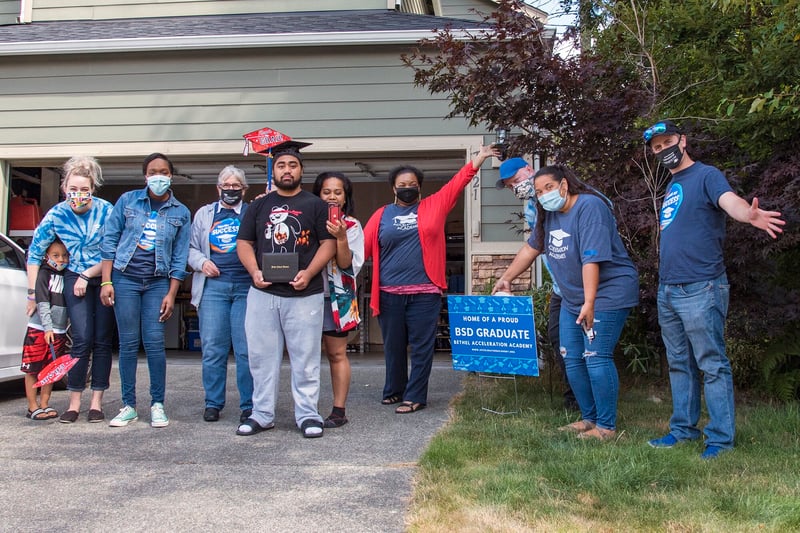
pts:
[234, 171]
[84, 166]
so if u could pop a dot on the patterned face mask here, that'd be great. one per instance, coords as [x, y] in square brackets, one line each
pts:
[523, 190]
[78, 199]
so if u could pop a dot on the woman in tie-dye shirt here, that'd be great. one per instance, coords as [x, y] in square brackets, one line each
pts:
[79, 221]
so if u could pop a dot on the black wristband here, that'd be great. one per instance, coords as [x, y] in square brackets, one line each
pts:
[83, 277]
[31, 291]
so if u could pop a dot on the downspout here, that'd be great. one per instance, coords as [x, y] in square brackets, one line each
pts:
[25, 12]
[5, 193]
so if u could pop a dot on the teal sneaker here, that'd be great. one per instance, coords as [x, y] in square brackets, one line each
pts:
[158, 418]
[126, 415]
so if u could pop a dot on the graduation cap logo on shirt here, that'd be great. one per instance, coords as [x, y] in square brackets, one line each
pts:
[272, 143]
[557, 237]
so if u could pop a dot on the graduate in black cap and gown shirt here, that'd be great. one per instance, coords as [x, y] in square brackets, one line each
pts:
[284, 236]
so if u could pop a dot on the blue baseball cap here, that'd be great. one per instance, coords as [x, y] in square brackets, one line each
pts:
[508, 169]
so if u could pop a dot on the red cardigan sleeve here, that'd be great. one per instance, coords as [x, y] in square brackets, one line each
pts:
[432, 216]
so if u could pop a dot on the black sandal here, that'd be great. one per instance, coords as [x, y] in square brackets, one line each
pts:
[251, 427]
[311, 428]
[393, 399]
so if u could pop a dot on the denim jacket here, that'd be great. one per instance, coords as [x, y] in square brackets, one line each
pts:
[125, 226]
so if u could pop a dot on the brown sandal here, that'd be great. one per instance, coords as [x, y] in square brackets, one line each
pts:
[599, 434]
[578, 427]
[393, 399]
[409, 407]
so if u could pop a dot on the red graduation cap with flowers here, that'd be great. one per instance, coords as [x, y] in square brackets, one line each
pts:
[268, 142]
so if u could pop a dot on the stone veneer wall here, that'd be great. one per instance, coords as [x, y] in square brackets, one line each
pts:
[486, 269]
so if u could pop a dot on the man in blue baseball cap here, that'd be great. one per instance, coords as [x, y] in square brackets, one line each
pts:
[510, 177]
[693, 289]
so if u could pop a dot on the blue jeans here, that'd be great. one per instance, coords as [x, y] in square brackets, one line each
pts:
[692, 319]
[137, 303]
[590, 366]
[222, 311]
[92, 328]
[408, 321]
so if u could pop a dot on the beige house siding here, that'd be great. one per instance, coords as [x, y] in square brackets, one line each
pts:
[463, 8]
[49, 10]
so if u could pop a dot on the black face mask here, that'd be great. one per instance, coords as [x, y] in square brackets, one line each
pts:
[231, 197]
[670, 157]
[407, 195]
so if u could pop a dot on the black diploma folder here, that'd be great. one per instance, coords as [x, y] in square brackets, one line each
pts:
[279, 268]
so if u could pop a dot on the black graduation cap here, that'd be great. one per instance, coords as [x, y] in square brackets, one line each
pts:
[290, 148]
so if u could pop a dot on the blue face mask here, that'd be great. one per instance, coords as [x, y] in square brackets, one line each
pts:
[159, 184]
[552, 201]
[56, 266]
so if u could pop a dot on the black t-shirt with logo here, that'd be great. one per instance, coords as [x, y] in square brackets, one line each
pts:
[285, 224]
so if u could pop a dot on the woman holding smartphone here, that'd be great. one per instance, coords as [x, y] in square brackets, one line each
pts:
[599, 284]
[341, 306]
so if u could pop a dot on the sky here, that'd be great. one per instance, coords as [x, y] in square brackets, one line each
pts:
[553, 8]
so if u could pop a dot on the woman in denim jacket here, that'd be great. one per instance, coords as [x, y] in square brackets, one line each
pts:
[145, 249]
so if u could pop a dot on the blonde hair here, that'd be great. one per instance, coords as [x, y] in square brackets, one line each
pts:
[84, 166]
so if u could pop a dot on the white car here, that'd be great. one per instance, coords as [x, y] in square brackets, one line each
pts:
[13, 293]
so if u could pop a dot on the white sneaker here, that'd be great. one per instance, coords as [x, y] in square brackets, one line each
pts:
[158, 418]
[126, 415]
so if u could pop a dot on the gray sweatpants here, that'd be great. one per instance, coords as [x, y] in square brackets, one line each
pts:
[272, 323]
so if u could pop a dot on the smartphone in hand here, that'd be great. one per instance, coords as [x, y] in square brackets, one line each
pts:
[588, 331]
[334, 213]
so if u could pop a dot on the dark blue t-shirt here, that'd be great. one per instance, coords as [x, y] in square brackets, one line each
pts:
[222, 242]
[143, 263]
[401, 251]
[587, 233]
[692, 226]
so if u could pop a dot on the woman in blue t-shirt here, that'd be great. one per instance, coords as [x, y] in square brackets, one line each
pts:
[144, 253]
[599, 283]
[219, 292]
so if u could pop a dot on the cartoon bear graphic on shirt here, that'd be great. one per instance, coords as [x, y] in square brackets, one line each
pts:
[282, 225]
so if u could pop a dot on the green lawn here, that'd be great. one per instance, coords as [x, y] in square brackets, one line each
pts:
[489, 472]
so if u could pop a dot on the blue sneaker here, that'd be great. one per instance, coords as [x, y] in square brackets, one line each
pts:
[158, 418]
[667, 441]
[126, 415]
[711, 452]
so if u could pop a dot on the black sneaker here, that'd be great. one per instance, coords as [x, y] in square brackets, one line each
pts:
[68, 417]
[245, 415]
[211, 414]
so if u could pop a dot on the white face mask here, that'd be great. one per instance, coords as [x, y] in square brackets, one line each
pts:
[159, 184]
[552, 201]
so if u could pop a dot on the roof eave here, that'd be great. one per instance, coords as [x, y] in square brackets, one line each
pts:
[204, 42]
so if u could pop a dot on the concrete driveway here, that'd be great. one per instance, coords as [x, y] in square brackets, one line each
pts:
[200, 476]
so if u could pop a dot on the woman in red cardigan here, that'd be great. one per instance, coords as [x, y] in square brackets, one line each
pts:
[407, 243]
